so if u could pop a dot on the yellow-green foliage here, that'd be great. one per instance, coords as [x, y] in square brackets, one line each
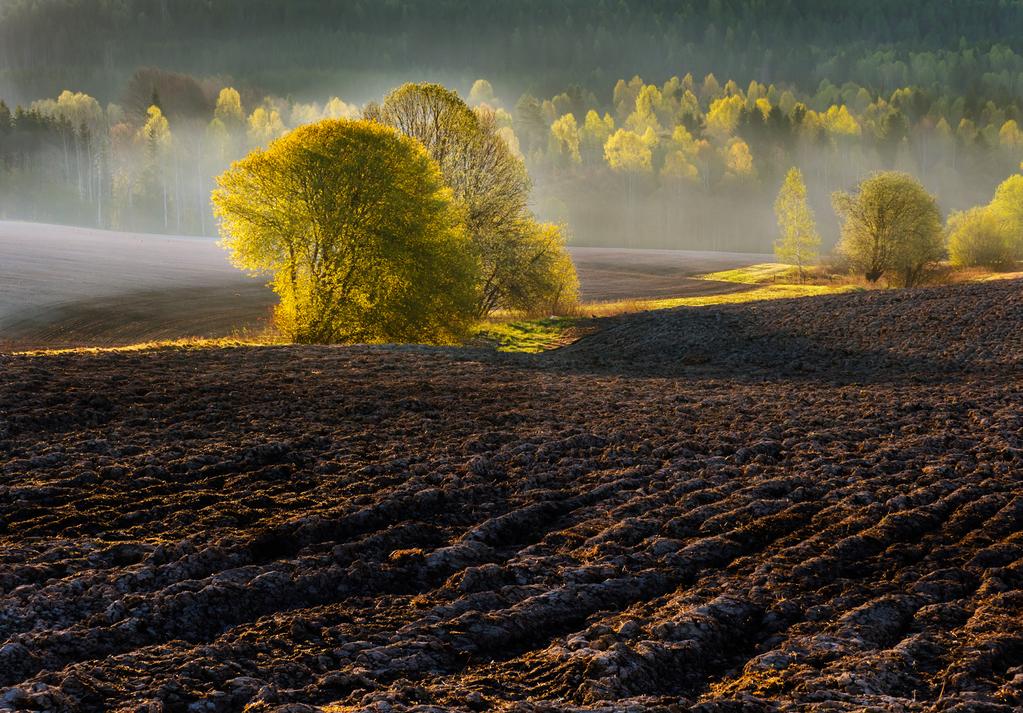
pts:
[565, 138]
[977, 238]
[547, 283]
[626, 151]
[539, 335]
[1007, 207]
[891, 228]
[799, 243]
[523, 265]
[754, 274]
[229, 108]
[764, 292]
[362, 238]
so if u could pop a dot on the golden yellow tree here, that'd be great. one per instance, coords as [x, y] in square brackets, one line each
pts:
[648, 103]
[723, 116]
[155, 138]
[626, 151]
[679, 163]
[1010, 136]
[361, 238]
[336, 108]
[226, 130]
[738, 160]
[265, 125]
[229, 108]
[595, 133]
[482, 93]
[565, 138]
[839, 123]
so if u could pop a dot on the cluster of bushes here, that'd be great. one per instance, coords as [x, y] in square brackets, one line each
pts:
[992, 235]
[408, 225]
[892, 229]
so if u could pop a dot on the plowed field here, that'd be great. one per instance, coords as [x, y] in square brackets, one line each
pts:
[805, 505]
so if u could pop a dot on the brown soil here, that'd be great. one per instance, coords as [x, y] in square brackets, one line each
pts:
[673, 514]
[621, 274]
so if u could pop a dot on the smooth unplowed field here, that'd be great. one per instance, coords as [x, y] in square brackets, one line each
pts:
[810, 505]
[67, 287]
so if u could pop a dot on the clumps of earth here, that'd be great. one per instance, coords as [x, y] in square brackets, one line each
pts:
[806, 505]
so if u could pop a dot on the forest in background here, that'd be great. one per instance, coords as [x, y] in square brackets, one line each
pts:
[735, 93]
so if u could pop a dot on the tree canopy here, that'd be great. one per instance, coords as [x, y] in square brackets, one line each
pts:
[1007, 208]
[491, 182]
[963, 46]
[362, 239]
[976, 237]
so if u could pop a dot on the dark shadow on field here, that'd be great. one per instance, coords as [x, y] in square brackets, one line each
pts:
[929, 335]
[130, 318]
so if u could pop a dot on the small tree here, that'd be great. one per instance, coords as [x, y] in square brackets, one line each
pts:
[891, 227]
[564, 140]
[156, 139]
[800, 243]
[482, 93]
[358, 231]
[977, 237]
[626, 152]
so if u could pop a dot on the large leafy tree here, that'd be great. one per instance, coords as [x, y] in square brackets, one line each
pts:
[799, 243]
[492, 183]
[892, 228]
[362, 238]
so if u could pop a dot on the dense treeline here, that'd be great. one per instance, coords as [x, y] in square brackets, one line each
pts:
[694, 162]
[969, 47]
[691, 159]
[691, 162]
[147, 164]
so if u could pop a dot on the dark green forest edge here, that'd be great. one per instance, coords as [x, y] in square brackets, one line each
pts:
[531, 45]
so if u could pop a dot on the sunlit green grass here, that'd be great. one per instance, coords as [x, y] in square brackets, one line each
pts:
[765, 292]
[755, 274]
[505, 333]
[527, 336]
[184, 344]
[538, 335]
